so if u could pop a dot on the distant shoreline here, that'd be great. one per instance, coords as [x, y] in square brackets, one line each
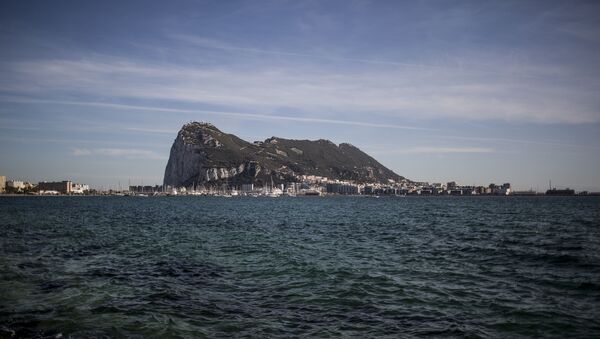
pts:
[302, 196]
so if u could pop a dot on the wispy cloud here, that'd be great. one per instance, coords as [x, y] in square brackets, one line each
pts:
[151, 130]
[462, 65]
[246, 116]
[204, 42]
[313, 90]
[436, 150]
[118, 152]
[80, 152]
[518, 141]
[441, 150]
[115, 178]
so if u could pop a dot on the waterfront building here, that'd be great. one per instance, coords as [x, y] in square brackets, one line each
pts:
[2, 184]
[313, 179]
[15, 185]
[77, 188]
[389, 191]
[64, 187]
[247, 188]
[503, 189]
[340, 188]
[292, 187]
[479, 190]
[455, 192]
[467, 190]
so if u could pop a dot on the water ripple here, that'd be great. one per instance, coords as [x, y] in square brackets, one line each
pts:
[349, 267]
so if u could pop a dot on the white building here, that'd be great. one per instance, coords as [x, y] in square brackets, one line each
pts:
[15, 184]
[79, 188]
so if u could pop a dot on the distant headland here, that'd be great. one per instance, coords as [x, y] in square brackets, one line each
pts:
[206, 161]
[203, 155]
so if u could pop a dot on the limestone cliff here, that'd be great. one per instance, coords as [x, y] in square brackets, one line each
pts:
[203, 155]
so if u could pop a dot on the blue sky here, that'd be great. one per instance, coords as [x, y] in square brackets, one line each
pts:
[471, 91]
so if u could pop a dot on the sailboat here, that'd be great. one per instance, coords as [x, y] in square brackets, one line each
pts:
[274, 191]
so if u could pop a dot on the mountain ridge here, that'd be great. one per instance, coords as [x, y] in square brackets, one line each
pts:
[202, 154]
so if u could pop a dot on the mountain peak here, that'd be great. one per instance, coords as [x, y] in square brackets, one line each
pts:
[198, 133]
[199, 124]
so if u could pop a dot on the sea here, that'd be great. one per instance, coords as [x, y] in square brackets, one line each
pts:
[361, 267]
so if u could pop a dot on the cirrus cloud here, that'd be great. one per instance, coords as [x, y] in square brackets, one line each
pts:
[311, 90]
[117, 152]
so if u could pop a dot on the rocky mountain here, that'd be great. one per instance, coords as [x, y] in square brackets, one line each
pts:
[203, 155]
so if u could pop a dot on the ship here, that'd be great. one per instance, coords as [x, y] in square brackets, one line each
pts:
[553, 191]
[566, 191]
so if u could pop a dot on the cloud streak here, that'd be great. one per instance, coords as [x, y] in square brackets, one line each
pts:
[118, 152]
[437, 150]
[246, 116]
[463, 66]
[312, 90]
[203, 42]
[151, 130]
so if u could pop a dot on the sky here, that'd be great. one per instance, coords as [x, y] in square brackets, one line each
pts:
[468, 91]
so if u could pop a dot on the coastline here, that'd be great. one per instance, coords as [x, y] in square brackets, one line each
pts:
[305, 196]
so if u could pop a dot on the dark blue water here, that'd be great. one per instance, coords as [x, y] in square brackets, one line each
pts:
[263, 267]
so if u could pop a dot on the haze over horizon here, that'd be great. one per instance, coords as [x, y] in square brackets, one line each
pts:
[473, 92]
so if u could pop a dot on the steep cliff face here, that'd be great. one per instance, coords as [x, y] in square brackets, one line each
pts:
[185, 162]
[202, 154]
